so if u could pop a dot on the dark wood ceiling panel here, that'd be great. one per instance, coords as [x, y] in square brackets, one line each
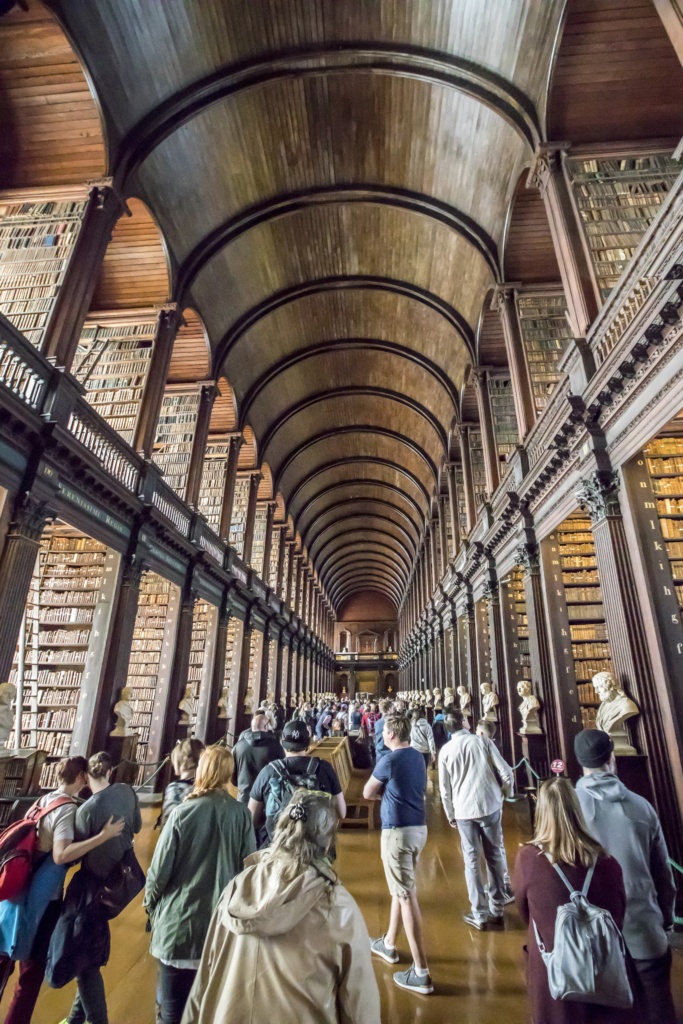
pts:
[338, 446]
[239, 31]
[366, 509]
[190, 359]
[323, 375]
[617, 76]
[248, 456]
[491, 342]
[529, 254]
[135, 269]
[339, 317]
[341, 503]
[50, 130]
[342, 481]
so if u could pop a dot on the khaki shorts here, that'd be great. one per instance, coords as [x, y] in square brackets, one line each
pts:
[401, 849]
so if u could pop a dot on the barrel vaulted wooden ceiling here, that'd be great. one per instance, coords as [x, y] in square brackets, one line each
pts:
[331, 179]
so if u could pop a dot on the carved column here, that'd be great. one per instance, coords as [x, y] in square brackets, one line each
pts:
[16, 568]
[480, 382]
[580, 287]
[443, 536]
[170, 319]
[268, 542]
[599, 493]
[467, 478]
[254, 481]
[207, 394]
[291, 574]
[434, 542]
[539, 644]
[525, 408]
[304, 591]
[72, 305]
[278, 582]
[454, 512]
[234, 444]
[499, 672]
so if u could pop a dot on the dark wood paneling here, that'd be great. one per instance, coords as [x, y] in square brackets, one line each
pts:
[529, 255]
[50, 130]
[617, 76]
[135, 271]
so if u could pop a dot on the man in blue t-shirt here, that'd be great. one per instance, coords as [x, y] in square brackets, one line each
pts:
[399, 779]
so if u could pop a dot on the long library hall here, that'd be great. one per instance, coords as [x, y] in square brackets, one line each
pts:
[341, 511]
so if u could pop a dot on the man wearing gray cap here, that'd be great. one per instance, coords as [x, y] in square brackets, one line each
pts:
[629, 829]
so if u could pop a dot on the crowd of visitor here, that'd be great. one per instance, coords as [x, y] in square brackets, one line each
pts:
[249, 919]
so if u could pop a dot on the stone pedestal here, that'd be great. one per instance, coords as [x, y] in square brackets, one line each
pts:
[535, 750]
[124, 748]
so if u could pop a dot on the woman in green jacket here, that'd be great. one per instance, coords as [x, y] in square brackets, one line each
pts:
[201, 849]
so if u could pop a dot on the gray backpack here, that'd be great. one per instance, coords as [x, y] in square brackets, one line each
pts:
[588, 962]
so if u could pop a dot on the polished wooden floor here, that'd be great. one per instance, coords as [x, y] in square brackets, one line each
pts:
[478, 976]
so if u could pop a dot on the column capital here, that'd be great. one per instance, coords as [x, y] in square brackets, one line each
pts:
[546, 160]
[599, 494]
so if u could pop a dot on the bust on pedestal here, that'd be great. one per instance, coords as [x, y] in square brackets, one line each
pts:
[448, 697]
[465, 701]
[529, 710]
[123, 710]
[188, 710]
[614, 711]
[223, 704]
[8, 693]
[489, 702]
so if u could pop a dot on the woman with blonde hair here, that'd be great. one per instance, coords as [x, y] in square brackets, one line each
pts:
[287, 941]
[202, 847]
[562, 838]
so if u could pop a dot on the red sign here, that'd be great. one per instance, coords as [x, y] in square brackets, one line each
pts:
[557, 767]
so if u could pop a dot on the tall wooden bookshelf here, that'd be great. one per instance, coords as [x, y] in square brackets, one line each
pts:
[583, 596]
[272, 668]
[449, 527]
[57, 636]
[146, 655]
[285, 568]
[112, 362]
[213, 481]
[36, 241]
[462, 506]
[504, 418]
[201, 620]
[238, 520]
[175, 433]
[259, 543]
[517, 626]
[478, 471]
[618, 199]
[252, 698]
[546, 335]
[275, 541]
[664, 460]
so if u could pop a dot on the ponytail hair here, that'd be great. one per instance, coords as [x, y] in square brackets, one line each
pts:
[304, 831]
[100, 765]
[214, 772]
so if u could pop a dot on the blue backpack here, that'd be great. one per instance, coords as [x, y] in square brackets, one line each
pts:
[283, 783]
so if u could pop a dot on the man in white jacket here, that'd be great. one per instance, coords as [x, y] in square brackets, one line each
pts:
[472, 796]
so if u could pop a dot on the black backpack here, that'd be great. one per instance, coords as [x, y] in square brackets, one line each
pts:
[283, 783]
[441, 736]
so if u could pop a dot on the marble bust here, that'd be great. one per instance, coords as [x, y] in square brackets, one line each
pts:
[614, 711]
[223, 704]
[489, 702]
[437, 698]
[465, 700]
[529, 709]
[8, 693]
[187, 707]
[448, 697]
[123, 710]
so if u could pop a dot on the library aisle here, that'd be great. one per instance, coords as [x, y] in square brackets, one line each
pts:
[478, 976]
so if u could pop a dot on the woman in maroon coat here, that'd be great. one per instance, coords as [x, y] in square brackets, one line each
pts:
[539, 892]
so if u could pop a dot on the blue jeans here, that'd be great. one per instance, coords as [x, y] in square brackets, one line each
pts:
[173, 990]
[90, 1003]
[477, 835]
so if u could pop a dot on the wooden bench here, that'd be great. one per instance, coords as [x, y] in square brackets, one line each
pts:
[360, 813]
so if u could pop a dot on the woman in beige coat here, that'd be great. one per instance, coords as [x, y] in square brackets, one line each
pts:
[287, 942]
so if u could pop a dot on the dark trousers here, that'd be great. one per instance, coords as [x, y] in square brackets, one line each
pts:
[174, 988]
[31, 971]
[90, 1003]
[654, 978]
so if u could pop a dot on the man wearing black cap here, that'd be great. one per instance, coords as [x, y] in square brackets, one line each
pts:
[296, 768]
[629, 829]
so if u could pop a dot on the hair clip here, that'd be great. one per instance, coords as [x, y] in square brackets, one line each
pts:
[297, 812]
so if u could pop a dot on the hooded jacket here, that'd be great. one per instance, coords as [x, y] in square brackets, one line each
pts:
[290, 951]
[629, 829]
[253, 751]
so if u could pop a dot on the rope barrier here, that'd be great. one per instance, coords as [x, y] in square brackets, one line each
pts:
[153, 775]
[676, 867]
[528, 764]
